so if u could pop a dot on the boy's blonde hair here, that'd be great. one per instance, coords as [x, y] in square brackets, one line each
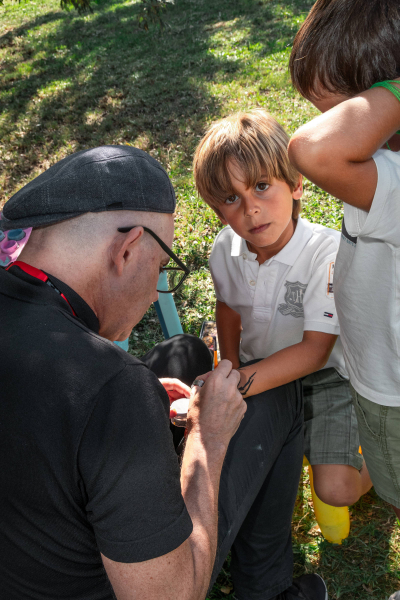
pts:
[253, 140]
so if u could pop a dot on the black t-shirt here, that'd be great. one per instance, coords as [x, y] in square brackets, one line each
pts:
[87, 463]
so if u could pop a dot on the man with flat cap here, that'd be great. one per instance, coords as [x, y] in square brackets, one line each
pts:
[93, 503]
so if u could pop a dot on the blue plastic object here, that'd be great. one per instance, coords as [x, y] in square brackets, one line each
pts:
[16, 234]
[124, 345]
[166, 310]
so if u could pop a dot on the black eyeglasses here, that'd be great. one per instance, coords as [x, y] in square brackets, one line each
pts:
[172, 276]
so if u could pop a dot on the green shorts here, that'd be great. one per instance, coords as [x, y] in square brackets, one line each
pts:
[330, 423]
[379, 428]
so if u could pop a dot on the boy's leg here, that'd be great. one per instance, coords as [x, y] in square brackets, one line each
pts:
[332, 440]
[379, 428]
[259, 479]
[340, 485]
[259, 482]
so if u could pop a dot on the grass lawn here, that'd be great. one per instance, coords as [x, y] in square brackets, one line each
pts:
[71, 82]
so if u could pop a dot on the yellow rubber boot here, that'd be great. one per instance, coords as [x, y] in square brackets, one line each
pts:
[333, 521]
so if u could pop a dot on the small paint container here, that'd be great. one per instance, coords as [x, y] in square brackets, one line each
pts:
[178, 412]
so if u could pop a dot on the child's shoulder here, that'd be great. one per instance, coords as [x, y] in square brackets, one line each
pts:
[224, 239]
[226, 245]
[224, 235]
[323, 235]
[322, 243]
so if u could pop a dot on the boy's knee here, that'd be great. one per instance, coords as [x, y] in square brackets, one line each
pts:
[337, 485]
[338, 496]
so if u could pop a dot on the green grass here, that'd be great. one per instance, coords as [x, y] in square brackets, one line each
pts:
[71, 82]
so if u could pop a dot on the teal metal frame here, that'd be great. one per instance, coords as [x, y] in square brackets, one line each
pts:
[166, 313]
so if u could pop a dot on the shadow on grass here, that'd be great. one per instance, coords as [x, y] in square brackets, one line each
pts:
[8, 38]
[99, 80]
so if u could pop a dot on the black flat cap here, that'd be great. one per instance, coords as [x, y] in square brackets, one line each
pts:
[104, 178]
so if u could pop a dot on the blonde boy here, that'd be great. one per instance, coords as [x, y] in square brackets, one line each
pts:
[273, 274]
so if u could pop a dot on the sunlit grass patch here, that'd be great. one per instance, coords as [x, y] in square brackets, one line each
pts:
[71, 82]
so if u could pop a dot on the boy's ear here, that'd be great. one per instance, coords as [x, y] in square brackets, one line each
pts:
[298, 190]
[220, 216]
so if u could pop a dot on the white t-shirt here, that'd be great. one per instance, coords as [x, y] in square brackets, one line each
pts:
[288, 294]
[367, 288]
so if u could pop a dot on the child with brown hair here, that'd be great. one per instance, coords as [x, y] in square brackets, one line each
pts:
[272, 273]
[346, 61]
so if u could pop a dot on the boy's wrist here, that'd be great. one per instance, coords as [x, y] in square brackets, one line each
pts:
[247, 377]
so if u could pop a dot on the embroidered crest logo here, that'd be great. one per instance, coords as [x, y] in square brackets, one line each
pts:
[294, 299]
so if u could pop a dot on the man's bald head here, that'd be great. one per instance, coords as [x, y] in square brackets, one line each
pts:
[115, 273]
[85, 239]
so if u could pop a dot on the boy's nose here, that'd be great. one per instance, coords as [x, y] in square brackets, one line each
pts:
[251, 207]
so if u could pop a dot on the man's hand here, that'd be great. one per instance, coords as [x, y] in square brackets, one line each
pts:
[215, 412]
[175, 389]
[217, 408]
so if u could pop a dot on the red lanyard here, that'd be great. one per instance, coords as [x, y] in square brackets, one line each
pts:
[38, 274]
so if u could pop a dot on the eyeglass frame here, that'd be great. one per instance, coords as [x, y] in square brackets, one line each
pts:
[168, 251]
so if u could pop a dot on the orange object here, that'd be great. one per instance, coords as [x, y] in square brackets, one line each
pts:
[215, 359]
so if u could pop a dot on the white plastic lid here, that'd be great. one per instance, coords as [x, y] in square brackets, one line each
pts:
[181, 406]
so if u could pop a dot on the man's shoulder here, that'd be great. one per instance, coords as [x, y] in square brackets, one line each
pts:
[104, 357]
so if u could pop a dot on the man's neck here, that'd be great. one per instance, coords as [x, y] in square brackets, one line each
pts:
[68, 275]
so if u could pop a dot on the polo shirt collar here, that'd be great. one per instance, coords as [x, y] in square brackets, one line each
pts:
[38, 291]
[238, 246]
[81, 308]
[288, 255]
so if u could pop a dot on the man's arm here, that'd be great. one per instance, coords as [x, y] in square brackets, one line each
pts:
[229, 327]
[215, 413]
[335, 149]
[299, 360]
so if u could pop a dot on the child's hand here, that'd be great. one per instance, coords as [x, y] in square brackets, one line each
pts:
[175, 389]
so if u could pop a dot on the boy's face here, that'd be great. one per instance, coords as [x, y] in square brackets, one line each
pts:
[261, 215]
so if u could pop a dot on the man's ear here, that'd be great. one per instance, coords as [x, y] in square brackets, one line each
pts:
[123, 248]
[220, 216]
[298, 190]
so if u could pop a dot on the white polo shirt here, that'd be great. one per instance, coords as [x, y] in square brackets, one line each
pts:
[288, 294]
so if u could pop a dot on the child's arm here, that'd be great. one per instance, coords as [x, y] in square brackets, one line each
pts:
[299, 360]
[334, 150]
[229, 326]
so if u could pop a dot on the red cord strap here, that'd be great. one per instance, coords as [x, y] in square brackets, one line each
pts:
[38, 274]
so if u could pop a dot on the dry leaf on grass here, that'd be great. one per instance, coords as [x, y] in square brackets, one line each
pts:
[226, 589]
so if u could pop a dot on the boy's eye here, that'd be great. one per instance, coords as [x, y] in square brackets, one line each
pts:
[262, 186]
[231, 199]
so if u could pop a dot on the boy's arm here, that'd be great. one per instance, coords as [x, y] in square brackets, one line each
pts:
[299, 360]
[229, 327]
[335, 149]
